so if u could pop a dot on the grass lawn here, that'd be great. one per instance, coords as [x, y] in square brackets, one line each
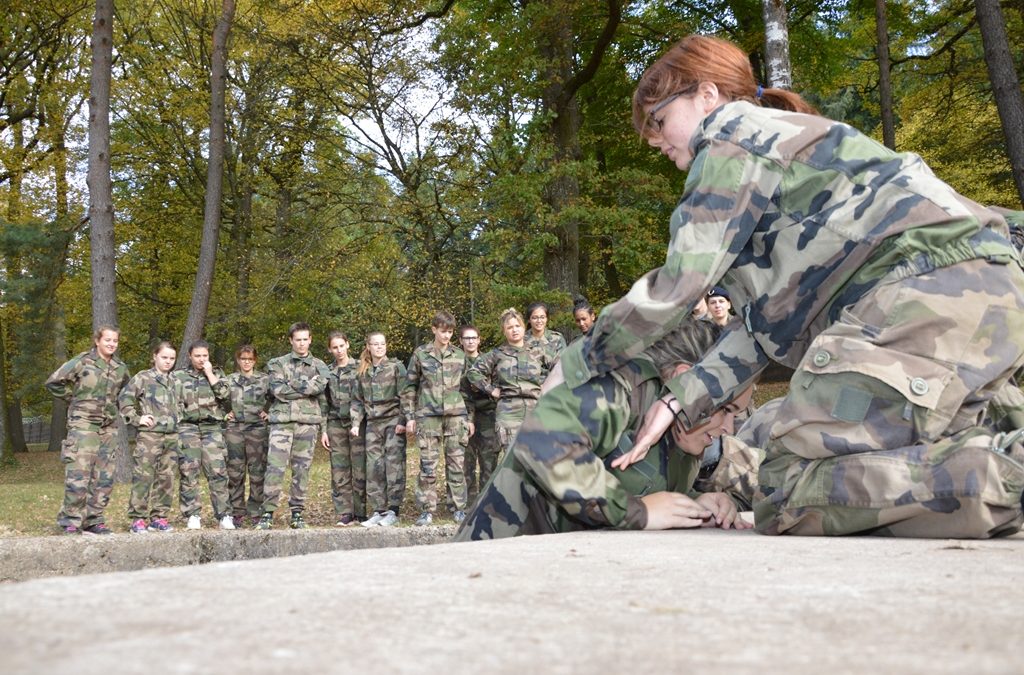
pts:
[32, 488]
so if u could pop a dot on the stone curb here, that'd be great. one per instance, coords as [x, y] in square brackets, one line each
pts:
[27, 558]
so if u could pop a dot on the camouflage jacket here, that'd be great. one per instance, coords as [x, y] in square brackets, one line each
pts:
[90, 386]
[201, 402]
[482, 402]
[250, 395]
[376, 392]
[340, 388]
[433, 383]
[517, 372]
[150, 392]
[298, 386]
[553, 341]
[797, 217]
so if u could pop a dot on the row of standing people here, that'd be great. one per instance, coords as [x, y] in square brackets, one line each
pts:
[254, 423]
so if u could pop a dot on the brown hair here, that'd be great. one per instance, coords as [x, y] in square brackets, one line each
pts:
[245, 349]
[163, 344]
[444, 319]
[701, 58]
[103, 328]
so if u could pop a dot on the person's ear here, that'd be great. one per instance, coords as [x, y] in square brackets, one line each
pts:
[708, 95]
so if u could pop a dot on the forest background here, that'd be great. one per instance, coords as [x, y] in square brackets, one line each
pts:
[382, 160]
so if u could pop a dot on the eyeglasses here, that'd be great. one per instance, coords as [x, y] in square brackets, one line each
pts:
[657, 124]
[245, 358]
[470, 337]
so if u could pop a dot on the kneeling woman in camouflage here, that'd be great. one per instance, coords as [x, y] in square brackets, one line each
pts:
[898, 302]
[562, 474]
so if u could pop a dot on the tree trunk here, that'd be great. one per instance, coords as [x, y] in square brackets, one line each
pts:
[1005, 85]
[884, 80]
[776, 45]
[196, 321]
[4, 444]
[101, 203]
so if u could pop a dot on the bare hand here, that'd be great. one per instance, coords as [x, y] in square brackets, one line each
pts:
[723, 510]
[670, 510]
[264, 416]
[472, 429]
[496, 393]
[147, 421]
[657, 420]
[325, 441]
[400, 429]
[230, 417]
[354, 431]
[410, 427]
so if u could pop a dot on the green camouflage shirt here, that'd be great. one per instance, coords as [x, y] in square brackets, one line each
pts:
[518, 372]
[376, 394]
[553, 341]
[298, 385]
[250, 395]
[90, 386]
[433, 383]
[201, 402]
[482, 402]
[340, 391]
[797, 217]
[151, 392]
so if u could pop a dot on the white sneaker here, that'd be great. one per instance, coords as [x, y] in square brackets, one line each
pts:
[389, 519]
[194, 523]
[227, 523]
[374, 520]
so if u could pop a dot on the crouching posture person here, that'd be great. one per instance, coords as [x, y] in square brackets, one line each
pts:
[898, 302]
[562, 472]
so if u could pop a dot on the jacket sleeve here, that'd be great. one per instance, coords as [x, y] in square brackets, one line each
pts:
[409, 386]
[480, 373]
[281, 385]
[727, 191]
[62, 382]
[127, 401]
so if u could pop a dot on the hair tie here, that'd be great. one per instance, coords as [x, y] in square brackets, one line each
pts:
[760, 90]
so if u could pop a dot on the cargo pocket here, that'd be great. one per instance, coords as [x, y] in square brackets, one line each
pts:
[855, 396]
[68, 450]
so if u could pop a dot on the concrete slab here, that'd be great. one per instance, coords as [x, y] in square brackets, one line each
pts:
[598, 602]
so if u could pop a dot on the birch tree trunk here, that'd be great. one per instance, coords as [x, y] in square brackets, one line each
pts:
[776, 44]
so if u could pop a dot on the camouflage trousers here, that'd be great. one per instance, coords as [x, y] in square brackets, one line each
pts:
[348, 469]
[202, 446]
[385, 465]
[87, 455]
[557, 478]
[247, 455]
[508, 421]
[152, 475]
[291, 444]
[884, 428]
[482, 452]
[451, 432]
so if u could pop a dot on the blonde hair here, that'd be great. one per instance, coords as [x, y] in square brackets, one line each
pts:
[365, 360]
[510, 313]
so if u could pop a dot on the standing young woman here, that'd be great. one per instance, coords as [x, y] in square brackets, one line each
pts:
[537, 314]
[90, 384]
[348, 457]
[512, 374]
[583, 314]
[150, 403]
[376, 400]
[246, 435]
[889, 293]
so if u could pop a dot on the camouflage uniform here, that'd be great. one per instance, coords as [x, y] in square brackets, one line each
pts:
[299, 404]
[483, 449]
[892, 297]
[348, 456]
[553, 341]
[376, 401]
[201, 440]
[433, 395]
[151, 392]
[246, 437]
[558, 476]
[90, 386]
[518, 372]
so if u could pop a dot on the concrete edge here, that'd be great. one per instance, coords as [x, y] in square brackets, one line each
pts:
[27, 558]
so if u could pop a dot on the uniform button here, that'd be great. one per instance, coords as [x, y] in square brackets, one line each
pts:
[579, 374]
[821, 359]
[919, 386]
